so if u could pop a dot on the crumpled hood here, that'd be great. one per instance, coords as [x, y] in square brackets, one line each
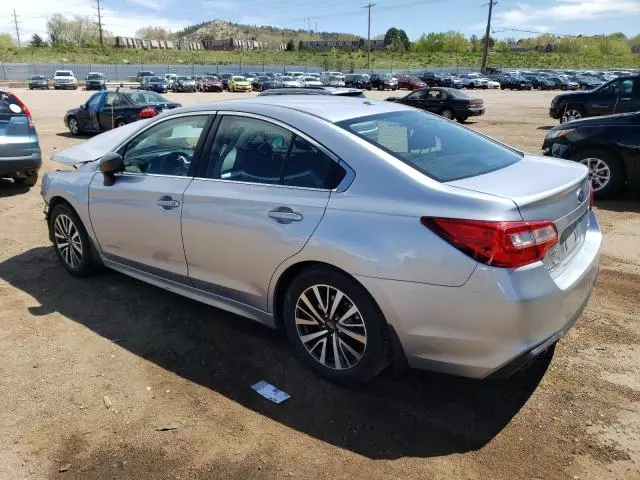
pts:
[97, 146]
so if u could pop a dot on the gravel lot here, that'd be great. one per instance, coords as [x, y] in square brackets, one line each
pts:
[68, 347]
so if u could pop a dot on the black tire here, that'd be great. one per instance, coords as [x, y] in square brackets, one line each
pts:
[29, 180]
[447, 113]
[120, 123]
[471, 86]
[462, 119]
[376, 354]
[87, 263]
[74, 130]
[616, 171]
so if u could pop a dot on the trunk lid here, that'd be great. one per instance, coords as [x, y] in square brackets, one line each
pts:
[543, 189]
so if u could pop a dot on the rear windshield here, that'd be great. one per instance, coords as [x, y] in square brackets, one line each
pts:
[94, 76]
[437, 148]
[37, 77]
[145, 97]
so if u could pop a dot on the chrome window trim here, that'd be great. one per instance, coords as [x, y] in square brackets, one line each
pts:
[342, 186]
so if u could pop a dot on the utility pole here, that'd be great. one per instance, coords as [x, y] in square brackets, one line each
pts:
[369, 6]
[485, 50]
[100, 23]
[15, 21]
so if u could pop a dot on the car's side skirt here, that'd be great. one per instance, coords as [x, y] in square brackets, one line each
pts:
[188, 291]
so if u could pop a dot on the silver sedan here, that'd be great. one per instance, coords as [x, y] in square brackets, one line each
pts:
[369, 231]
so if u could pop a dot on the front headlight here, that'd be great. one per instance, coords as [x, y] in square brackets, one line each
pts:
[558, 133]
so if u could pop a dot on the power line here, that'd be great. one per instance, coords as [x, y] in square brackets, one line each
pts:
[485, 49]
[369, 6]
[15, 21]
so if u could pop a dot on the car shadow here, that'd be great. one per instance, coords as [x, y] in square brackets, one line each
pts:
[414, 414]
[8, 188]
[627, 200]
[545, 127]
[80, 136]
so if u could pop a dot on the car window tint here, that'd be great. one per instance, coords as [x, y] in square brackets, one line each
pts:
[248, 150]
[109, 101]
[438, 149]
[166, 148]
[417, 95]
[435, 95]
[308, 166]
[94, 101]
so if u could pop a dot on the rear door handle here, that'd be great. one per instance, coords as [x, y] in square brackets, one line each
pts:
[284, 215]
[167, 203]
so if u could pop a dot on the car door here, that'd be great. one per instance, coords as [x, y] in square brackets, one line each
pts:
[603, 101]
[415, 98]
[434, 101]
[626, 90]
[110, 111]
[88, 115]
[136, 220]
[263, 193]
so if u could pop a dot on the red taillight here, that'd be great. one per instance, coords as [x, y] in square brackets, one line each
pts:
[499, 244]
[147, 112]
[24, 108]
[476, 103]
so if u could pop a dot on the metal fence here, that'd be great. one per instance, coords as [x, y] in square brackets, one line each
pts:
[22, 71]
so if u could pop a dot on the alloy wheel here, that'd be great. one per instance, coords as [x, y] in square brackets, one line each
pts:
[599, 173]
[68, 241]
[73, 126]
[571, 114]
[331, 327]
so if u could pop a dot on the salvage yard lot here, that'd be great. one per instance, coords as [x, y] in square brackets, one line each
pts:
[91, 367]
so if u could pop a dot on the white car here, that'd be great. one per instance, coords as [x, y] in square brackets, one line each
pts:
[473, 80]
[333, 81]
[492, 83]
[291, 82]
[311, 81]
[64, 79]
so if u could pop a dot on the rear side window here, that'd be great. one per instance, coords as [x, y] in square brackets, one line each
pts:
[437, 148]
[10, 104]
[256, 151]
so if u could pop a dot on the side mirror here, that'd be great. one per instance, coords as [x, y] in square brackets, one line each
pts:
[109, 165]
[84, 105]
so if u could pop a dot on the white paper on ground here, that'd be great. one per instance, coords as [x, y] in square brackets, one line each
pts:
[270, 392]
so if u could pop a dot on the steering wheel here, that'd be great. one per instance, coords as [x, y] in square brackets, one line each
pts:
[175, 163]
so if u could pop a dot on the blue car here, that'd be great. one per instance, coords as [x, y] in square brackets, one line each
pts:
[20, 157]
[156, 84]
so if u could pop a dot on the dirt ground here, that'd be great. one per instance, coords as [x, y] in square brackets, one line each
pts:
[69, 346]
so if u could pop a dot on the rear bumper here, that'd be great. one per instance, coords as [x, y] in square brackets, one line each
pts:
[472, 112]
[20, 164]
[496, 320]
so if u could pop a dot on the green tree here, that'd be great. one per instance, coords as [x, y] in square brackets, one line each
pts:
[397, 40]
[429, 43]
[154, 33]
[37, 41]
[291, 46]
[492, 42]
[455, 42]
[501, 46]
[6, 41]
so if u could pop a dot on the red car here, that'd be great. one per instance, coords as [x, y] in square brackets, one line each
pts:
[210, 84]
[410, 83]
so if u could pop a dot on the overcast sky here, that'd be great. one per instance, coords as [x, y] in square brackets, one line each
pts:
[123, 17]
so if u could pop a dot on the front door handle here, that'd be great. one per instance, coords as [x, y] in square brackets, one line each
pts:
[167, 203]
[284, 215]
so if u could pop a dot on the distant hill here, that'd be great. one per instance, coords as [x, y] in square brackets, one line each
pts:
[222, 30]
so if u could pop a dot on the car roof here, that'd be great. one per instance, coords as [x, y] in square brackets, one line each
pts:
[329, 107]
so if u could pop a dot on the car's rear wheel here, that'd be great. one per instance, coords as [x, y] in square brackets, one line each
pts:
[27, 179]
[571, 113]
[606, 174]
[120, 123]
[447, 113]
[335, 326]
[462, 119]
[71, 241]
[74, 126]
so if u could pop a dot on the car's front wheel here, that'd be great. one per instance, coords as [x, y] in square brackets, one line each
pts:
[571, 113]
[74, 126]
[335, 326]
[71, 241]
[606, 174]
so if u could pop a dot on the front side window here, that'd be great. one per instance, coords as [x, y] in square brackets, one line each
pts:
[256, 151]
[166, 148]
[417, 95]
[94, 101]
[441, 150]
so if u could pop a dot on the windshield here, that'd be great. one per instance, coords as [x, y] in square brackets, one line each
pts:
[288, 79]
[155, 80]
[439, 149]
[37, 77]
[145, 97]
[264, 79]
[63, 74]
[239, 79]
[211, 79]
[95, 76]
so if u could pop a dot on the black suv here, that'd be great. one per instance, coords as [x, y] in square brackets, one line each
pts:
[514, 82]
[621, 95]
[433, 79]
[383, 81]
[357, 81]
